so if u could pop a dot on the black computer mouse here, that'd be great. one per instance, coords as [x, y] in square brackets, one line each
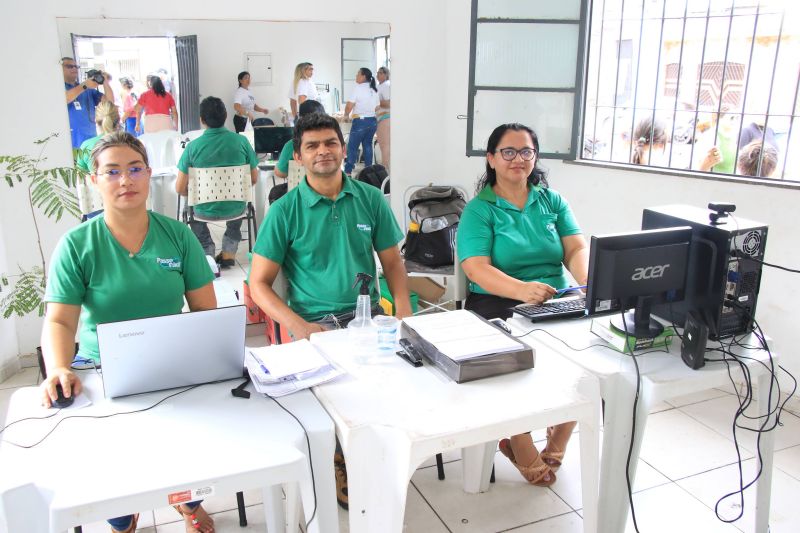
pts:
[61, 402]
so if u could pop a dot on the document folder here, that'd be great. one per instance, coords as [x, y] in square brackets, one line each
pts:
[472, 368]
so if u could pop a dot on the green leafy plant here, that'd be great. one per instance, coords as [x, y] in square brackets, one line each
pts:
[49, 191]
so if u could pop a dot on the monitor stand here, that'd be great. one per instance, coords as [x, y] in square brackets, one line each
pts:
[638, 323]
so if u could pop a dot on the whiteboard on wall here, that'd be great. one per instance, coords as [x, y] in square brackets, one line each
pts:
[259, 65]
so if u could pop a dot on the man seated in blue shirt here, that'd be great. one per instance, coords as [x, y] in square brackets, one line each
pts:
[82, 98]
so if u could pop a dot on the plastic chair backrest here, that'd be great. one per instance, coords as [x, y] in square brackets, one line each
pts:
[218, 184]
[295, 174]
[89, 199]
[160, 147]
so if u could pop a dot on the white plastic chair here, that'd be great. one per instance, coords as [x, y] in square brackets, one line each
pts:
[89, 199]
[221, 184]
[160, 148]
[295, 174]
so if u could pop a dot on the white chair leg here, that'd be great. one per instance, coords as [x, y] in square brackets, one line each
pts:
[273, 509]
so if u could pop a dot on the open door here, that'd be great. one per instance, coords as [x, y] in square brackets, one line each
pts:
[188, 82]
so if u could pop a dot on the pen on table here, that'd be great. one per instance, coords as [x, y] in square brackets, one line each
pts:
[565, 289]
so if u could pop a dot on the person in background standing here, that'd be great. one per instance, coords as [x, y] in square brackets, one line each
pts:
[303, 87]
[245, 103]
[107, 119]
[82, 98]
[362, 103]
[157, 105]
[128, 105]
[382, 114]
[650, 143]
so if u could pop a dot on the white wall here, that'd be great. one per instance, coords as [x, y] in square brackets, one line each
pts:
[430, 47]
[221, 45]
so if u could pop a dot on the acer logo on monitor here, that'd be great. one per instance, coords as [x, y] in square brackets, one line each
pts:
[650, 272]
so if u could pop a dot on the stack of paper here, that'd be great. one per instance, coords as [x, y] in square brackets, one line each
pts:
[462, 335]
[285, 368]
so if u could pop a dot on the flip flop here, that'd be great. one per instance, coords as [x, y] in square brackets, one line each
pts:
[193, 519]
[535, 472]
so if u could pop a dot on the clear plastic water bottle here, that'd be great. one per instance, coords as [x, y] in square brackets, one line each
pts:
[362, 330]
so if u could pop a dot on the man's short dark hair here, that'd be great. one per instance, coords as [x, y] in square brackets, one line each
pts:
[314, 122]
[212, 112]
[310, 106]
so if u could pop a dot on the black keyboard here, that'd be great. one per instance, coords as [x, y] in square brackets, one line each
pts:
[552, 310]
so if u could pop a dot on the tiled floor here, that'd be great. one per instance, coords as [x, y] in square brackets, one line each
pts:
[687, 463]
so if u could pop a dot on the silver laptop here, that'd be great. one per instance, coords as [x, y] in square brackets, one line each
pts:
[164, 352]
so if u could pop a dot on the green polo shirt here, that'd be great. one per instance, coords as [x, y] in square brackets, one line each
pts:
[322, 244]
[84, 159]
[91, 269]
[218, 147]
[526, 243]
[287, 153]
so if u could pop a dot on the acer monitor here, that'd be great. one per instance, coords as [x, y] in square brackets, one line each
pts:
[630, 272]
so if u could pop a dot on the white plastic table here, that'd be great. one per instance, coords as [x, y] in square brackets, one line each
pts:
[390, 417]
[92, 469]
[664, 376]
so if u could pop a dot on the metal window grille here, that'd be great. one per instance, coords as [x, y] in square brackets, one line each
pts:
[669, 82]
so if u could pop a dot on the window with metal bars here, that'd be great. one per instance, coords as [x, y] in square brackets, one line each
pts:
[697, 85]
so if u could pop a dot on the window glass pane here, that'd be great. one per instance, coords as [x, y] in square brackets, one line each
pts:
[530, 9]
[350, 68]
[358, 49]
[548, 114]
[526, 55]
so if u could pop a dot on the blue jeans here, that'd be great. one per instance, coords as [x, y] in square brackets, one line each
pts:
[361, 134]
[121, 523]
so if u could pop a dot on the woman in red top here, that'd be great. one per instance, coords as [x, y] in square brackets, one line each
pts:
[157, 105]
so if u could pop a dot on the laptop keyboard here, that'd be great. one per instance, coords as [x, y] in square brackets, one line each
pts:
[555, 309]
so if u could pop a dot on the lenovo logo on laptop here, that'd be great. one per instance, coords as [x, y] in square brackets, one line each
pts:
[131, 334]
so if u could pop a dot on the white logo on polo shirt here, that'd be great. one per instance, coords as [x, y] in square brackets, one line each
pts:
[364, 227]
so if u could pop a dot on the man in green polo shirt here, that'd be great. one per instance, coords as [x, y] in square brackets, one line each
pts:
[217, 147]
[322, 233]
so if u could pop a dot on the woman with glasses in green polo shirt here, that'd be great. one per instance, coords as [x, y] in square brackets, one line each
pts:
[514, 240]
[125, 263]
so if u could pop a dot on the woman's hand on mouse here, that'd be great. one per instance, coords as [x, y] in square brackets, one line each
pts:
[534, 292]
[68, 380]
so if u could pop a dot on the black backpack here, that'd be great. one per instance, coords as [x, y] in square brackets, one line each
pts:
[435, 213]
[374, 175]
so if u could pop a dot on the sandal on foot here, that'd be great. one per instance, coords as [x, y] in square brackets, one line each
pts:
[552, 454]
[196, 519]
[534, 473]
[131, 528]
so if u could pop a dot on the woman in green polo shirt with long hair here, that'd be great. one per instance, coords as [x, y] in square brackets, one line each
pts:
[126, 263]
[514, 240]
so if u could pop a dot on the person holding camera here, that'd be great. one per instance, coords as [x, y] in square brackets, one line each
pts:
[82, 98]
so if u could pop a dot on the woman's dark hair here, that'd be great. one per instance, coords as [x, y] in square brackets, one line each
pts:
[314, 122]
[647, 133]
[157, 85]
[241, 76]
[212, 112]
[126, 82]
[367, 73]
[537, 177]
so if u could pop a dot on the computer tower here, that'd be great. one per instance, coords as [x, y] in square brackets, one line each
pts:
[718, 268]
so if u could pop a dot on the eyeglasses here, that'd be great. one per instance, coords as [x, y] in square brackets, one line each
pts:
[133, 173]
[71, 67]
[510, 153]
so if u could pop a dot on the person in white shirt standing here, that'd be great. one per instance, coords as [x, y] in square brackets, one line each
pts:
[382, 113]
[362, 103]
[245, 103]
[303, 87]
